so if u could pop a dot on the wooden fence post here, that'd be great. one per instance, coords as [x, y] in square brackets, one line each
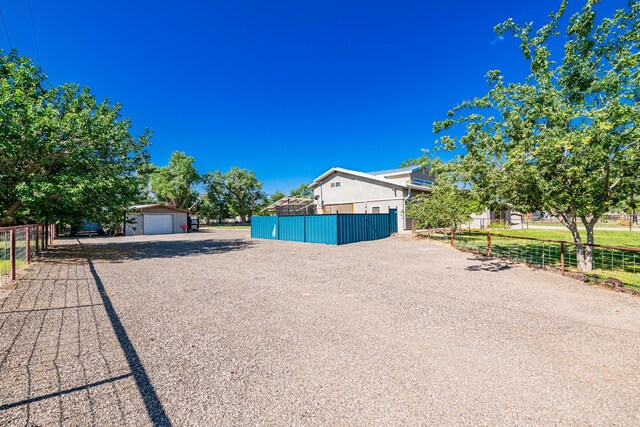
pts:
[488, 244]
[12, 254]
[453, 245]
[562, 257]
[37, 230]
[27, 245]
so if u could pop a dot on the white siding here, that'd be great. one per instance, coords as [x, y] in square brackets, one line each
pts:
[362, 193]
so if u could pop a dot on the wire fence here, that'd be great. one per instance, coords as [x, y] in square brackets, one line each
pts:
[612, 265]
[20, 245]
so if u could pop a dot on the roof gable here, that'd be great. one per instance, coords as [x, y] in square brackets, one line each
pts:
[156, 205]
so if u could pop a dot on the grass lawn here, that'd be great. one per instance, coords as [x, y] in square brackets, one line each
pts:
[602, 237]
[225, 227]
[623, 265]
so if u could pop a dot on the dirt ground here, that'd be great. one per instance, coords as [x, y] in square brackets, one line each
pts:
[214, 328]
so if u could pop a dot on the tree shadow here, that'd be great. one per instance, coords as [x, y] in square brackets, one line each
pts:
[489, 264]
[116, 250]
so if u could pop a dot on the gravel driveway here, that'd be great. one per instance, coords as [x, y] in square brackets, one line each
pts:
[214, 328]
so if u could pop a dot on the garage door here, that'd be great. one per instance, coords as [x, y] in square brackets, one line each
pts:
[158, 224]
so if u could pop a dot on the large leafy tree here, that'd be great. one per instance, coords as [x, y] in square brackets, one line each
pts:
[63, 155]
[215, 202]
[174, 184]
[566, 140]
[242, 190]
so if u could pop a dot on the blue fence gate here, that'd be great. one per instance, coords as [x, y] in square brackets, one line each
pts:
[338, 229]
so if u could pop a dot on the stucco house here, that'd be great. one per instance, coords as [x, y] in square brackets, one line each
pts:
[340, 190]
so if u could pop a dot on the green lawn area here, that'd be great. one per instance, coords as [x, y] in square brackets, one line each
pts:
[225, 227]
[602, 237]
[619, 264]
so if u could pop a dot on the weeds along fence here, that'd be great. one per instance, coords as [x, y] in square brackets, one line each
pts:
[19, 245]
[618, 266]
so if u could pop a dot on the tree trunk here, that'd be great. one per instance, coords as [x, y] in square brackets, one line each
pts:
[584, 252]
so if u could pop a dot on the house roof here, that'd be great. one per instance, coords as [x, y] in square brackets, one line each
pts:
[295, 201]
[363, 175]
[395, 171]
[156, 205]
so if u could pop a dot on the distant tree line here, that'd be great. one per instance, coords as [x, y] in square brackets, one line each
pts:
[235, 194]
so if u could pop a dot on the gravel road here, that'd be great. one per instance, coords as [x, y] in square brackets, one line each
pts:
[214, 328]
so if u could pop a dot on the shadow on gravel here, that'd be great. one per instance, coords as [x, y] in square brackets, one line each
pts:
[487, 264]
[127, 251]
[65, 355]
[151, 401]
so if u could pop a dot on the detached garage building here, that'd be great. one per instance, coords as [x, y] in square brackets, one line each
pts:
[155, 219]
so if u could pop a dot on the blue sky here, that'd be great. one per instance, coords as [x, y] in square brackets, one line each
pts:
[285, 88]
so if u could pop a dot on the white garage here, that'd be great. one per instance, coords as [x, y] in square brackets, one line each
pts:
[155, 219]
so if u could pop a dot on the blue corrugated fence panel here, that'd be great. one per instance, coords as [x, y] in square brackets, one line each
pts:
[393, 220]
[329, 229]
[322, 229]
[264, 227]
[378, 226]
[352, 228]
[292, 228]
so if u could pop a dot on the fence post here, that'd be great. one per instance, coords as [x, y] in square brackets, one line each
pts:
[27, 245]
[37, 230]
[453, 245]
[562, 257]
[429, 234]
[488, 244]
[12, 254]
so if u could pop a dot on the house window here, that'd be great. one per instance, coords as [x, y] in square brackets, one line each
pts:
[375, 209]
[335, 184]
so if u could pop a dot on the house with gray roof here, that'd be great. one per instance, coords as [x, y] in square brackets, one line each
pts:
[340, 190]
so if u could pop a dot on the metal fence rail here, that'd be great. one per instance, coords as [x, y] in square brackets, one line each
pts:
[19, 245]
[619, 266]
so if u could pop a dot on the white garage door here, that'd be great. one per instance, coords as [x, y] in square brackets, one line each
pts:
[158, 224]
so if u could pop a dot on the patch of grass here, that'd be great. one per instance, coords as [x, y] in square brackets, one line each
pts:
[630, 239]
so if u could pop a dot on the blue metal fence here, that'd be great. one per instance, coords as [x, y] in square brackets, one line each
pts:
[328, 229]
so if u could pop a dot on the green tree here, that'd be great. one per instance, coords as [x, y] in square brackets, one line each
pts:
[303, 192]
[63, 155]
[423, 160]
[567, 140]
[174, 184]
[275, 196]
[447, 206]
[242, 188]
